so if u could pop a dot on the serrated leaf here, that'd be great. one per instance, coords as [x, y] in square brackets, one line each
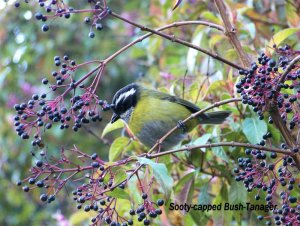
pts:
[280, 36]
[237, 193]
[254, 129]
[119, 193]
[111, 127]
[202, 140]
[161, 175]
[117, 148]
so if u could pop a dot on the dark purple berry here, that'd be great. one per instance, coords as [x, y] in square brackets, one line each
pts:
[92, 34]
[94, 156]
[38, 16]
[144, 196]
[43, 197]
[45, 27]
[26, 188]
[160, 202]
[39, 163]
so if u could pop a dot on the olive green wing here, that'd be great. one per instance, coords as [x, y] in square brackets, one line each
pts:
[216, 117]
[164, 96]
[192, 107]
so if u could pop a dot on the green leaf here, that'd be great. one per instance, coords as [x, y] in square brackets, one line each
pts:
[217, 86]
[215, 39]
[276, 137]
[292, 16]
[222, 217]
[199, 219]
[232, 54]
[210, 16]
[193, 91]
[183, 180]
[120, 175]
[186, 194]
[119, 193]
[117, 147]
[196, 156]
[161, 174]
[202, 140]
[204, 198]
[111, 127]
[219, 152]
[237, 193]
[280, 36]
[254, 129]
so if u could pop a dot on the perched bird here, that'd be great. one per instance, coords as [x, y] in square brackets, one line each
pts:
[150, 114]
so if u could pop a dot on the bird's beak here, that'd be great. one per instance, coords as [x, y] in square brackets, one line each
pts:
[114, 118]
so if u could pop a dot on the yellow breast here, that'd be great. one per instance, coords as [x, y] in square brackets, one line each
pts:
[152, 118]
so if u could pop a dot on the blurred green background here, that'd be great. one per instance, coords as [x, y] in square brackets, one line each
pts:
[26, 56]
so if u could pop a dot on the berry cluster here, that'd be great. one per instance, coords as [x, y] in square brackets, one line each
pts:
[60, 8]
[96, 182]
[82, 108]
[270, 175]
[103, 206]
[264, 86]
[148, 207]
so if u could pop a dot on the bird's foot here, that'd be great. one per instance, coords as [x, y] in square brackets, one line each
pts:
[181, 125]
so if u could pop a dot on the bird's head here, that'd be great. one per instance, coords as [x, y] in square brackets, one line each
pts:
[124, 102]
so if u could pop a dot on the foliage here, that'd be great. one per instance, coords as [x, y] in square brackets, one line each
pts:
[97, 48]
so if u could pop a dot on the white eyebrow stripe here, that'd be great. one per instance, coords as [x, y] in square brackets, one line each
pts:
[125, 95]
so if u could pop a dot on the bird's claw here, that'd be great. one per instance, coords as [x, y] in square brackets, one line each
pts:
[181, 125]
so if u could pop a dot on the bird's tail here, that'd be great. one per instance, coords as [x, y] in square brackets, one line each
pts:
[216, 117]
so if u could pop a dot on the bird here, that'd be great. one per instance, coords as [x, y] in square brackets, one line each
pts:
[150, 114]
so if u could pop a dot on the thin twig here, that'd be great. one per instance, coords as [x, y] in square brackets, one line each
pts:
[95, 135]
[177, 40]
[231, 33]
[141, 38]
[220, 144]
[127, 179]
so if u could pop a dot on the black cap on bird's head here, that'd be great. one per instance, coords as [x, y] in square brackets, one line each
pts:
[124, 100]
